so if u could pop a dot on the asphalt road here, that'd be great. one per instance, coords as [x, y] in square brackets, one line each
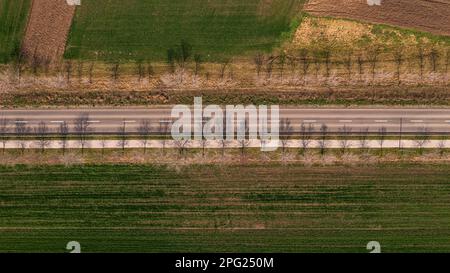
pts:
[109, 120]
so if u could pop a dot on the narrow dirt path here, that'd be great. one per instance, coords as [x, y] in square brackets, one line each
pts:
[47, 30]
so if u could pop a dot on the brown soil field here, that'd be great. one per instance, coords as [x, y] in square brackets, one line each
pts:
[47, 29]
[427, 15]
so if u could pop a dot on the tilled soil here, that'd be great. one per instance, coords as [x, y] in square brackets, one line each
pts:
[47, 29]
[427, 15]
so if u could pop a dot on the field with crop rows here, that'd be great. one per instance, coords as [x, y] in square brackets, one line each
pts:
[13, 19]
[253, 208]
[136, 29]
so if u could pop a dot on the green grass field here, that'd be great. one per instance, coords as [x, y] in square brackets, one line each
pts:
[13, 19]
[136, 29]
[269, 209]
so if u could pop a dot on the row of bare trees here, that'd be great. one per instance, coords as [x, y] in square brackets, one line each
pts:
[304, 62]
[82, 131]
[309, 133]
[301, 63]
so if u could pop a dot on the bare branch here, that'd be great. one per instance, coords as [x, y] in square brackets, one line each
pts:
[4, 130]
[42, 131]
[82, 130]
[21, 131]
[63, 132]
[144, 131]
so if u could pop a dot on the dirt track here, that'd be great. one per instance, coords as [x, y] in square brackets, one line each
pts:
[428, 15]
[47, 29]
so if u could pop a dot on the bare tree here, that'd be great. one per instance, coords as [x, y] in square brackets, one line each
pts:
[123, 136]
[41, 132]
[306, 136]
[360, 61]
[372, 57]
[115, 71]
[323, 142]
[204, 142]
[140, 71]
[145, 130]
[63, 132]
[21, 131]
[163, 131]
[398, 58]
[421, 59]
[80, 67]
[243, 140]
[103, 142]
[183, 53]
[171, 60]
[286, 131]
[434, 56]
[327, 60]
[382, 133]
[344, 141]
[46, 65]
[82, 130]
[150, 71]
[269, 66]
[19, 66]
[316, 61]
[198, 64]
[4, 130]
[292, 62]
[258, 59]
[223, 146]
[441, 147]
[282, 63]
[348, 63]
[35, 63]
[91, 72]
[68, 70]
[363, 139]
[447, 60]
[422, 138]
[223, 67]
[305, 63]
[181, 145]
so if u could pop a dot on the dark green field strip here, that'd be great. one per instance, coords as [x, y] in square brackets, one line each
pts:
[249, 208]
[13, 19]
[127, 240]
[139, 29]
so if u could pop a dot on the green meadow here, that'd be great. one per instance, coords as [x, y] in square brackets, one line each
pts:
[136, 29]
[251, 208]
[13, 19]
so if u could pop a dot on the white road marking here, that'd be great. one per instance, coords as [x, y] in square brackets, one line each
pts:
[56, 121]
[129, 121]
[381, 121]
[93, 121]
[416, 121]
[346, 121]
[310, 121]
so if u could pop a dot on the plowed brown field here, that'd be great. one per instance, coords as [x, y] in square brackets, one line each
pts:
[427, 15]
[47, 29]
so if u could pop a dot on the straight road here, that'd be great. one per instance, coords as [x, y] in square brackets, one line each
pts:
[436, 121]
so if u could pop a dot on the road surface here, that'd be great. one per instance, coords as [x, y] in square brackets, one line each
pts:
[436, 121]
